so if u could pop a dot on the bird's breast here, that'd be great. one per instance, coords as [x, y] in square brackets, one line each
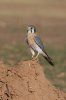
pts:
[31, 40]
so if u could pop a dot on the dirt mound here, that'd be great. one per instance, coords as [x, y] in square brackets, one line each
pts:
[26, 82]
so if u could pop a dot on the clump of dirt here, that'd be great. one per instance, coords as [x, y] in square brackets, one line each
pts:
[26, 82]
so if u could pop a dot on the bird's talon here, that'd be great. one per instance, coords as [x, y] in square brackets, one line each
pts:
[33, 58]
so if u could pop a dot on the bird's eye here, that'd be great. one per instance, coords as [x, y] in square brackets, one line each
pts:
[31, 28]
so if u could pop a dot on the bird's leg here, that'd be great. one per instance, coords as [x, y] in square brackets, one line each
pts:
[33, 57]
[33, 53]
[37, 57]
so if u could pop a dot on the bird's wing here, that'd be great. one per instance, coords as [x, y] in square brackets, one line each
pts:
[39, 42]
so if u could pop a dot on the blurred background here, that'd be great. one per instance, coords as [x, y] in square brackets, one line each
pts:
[49, 17]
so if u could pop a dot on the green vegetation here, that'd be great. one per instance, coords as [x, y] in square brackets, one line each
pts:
[13, 54]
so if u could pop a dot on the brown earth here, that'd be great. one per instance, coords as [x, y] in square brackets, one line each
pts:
[26, 81]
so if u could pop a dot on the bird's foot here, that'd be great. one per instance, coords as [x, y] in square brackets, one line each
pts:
[35, 59]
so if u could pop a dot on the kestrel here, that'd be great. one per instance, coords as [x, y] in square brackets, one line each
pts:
[36, 45]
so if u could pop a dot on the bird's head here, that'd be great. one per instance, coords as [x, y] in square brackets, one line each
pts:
[31, 29]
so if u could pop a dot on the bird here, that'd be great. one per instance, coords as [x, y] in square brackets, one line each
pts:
[36, 45]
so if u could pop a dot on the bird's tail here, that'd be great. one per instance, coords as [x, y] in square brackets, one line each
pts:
[49, 59]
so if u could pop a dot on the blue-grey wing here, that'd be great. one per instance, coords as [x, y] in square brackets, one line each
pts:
[39, 42]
